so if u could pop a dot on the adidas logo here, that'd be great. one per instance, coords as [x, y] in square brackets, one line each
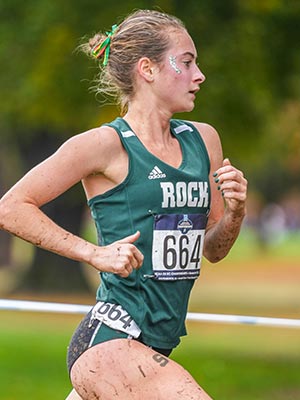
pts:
[156, 173]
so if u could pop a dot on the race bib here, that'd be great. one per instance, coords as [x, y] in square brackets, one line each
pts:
[114, 316]
[178, 245]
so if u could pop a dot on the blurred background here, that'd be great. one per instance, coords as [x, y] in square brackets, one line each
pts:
[249, 52]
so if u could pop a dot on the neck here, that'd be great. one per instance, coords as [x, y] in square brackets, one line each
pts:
[148, 122]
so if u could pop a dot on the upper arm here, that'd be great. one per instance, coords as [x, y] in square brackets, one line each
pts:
[214, 148]
[77, 158]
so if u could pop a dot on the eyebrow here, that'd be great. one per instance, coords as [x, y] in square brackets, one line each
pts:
[188, 53]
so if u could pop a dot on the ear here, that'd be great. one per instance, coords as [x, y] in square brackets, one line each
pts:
[146, 69]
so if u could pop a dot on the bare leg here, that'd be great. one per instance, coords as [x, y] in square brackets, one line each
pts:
[129, 370]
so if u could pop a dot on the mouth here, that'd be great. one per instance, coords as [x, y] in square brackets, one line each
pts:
[194, 92]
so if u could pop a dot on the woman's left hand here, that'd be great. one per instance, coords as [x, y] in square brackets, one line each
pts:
[233, 185]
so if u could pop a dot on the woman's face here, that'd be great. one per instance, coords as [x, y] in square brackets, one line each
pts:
[179, 77]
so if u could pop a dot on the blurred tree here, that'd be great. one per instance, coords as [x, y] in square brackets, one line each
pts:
[247, 49]
[43, 102]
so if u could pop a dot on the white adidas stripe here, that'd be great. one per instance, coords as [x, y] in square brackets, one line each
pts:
[157, 170]
[183, 128]
[127, 134]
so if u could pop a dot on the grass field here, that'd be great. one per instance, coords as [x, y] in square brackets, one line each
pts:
[231, 362]
[236, 362]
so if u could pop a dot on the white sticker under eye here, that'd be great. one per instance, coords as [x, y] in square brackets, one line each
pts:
[172, 60]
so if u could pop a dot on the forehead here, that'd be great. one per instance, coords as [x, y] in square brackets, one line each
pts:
[181, 43]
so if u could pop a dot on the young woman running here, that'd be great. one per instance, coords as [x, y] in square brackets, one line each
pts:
[161, 195]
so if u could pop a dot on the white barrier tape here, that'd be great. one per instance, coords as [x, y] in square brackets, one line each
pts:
[24, 305]
[244, 319]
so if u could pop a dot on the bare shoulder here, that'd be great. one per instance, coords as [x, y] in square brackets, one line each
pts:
[212, 142]
[94, 140]
[208, 133]
[79, 157]
[94, 148]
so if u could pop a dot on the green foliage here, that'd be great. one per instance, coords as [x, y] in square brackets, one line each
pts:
[247, 49]
[44, 80]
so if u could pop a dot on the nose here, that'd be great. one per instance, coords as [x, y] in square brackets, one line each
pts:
[199, 76]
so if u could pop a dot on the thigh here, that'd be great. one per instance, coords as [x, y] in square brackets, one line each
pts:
[127, 369]
[89, 333]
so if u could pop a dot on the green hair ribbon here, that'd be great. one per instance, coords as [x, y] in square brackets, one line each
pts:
[103, 48]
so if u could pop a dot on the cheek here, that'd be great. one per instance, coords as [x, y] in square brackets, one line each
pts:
[173, 84]
[181, 81]
[171, 81]
[174, 78]
[173, 65]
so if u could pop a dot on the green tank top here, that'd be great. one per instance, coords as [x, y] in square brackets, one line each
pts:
[169, 206]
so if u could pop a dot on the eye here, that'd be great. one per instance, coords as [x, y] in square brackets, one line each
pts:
[187, 63]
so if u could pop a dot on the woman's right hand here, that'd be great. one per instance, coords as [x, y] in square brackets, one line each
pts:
[120, 257]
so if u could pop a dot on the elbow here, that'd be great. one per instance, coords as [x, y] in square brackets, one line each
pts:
[213, 259]
[6, 212]
[214, 256]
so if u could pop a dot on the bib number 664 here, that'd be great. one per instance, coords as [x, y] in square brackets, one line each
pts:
[115, 312]
[181, 251]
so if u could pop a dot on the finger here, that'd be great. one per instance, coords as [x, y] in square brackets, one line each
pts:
[123, 266]
[231, 176]
[131, 238]
[226, 168]
[232, 195]
[230, 186]
[138, 256]
[125, 270]
[129, 255]
[226, 162]
[122, 273]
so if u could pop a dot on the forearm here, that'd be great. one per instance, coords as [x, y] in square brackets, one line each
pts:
[221, 236]
[28, 222]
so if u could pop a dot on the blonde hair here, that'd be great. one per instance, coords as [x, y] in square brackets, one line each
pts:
[145, 33]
